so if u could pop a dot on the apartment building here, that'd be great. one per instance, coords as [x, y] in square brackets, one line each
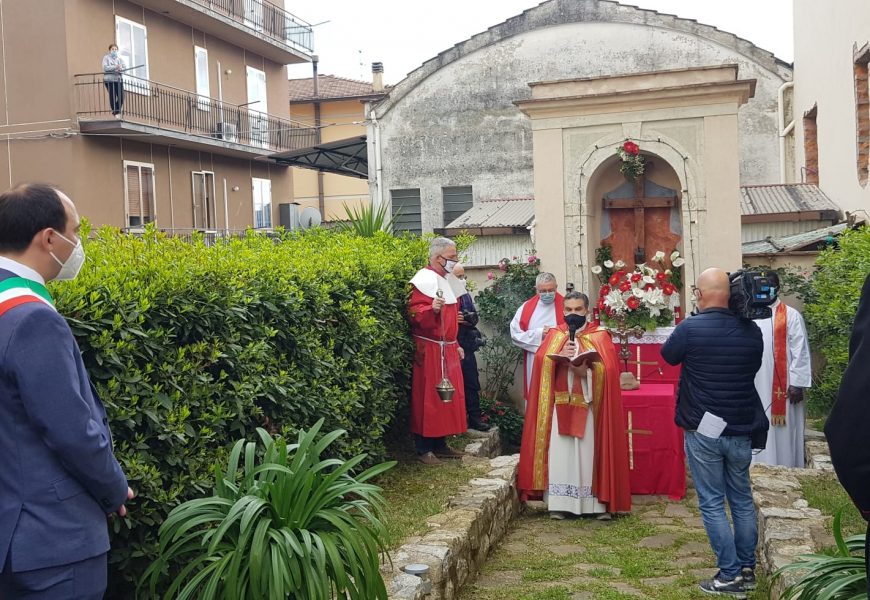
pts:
[204, 102]
[337, 106]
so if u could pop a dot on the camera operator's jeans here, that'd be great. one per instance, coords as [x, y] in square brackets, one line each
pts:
[720, 469]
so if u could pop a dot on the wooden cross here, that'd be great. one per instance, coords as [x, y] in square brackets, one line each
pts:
[638, 203]
[631, 431]
[640, 362]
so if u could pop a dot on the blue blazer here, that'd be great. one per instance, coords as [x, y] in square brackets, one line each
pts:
[58, 476]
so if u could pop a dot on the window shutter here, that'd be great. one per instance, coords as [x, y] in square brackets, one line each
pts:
[134, 196]
[147, 179]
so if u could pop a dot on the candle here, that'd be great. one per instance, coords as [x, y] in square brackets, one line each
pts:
[678, 315]
[596, 317]
[638, 363]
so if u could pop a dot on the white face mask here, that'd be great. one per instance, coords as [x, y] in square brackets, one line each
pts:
[70, 269]
[449, 266]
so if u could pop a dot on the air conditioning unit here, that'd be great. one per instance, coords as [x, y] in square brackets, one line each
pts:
[227, 132]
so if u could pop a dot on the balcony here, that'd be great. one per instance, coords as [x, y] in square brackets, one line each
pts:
[161, 114]
[256, 25]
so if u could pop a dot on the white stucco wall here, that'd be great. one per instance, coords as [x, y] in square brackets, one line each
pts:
[825, 35]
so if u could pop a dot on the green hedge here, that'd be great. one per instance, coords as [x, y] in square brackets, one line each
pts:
[830, 311]
[193, 346]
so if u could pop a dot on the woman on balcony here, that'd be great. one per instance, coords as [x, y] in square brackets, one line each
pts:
[113, 66]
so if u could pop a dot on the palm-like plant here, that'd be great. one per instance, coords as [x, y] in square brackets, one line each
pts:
[366, 220]
[294, 526]
[840, 576]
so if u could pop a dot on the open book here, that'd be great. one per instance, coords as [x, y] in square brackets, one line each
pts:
[588, 355]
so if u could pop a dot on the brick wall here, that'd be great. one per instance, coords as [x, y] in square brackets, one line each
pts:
[862, 113]
[811, 147]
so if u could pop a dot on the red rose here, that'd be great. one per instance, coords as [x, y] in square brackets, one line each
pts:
[661, 276]
[621, 274]
[649, 286]
[601, 304]
[631, 148]
[624, 286]
[614, 279]
[636, 277]
[605, 289]
[668, 289]
[632, 303]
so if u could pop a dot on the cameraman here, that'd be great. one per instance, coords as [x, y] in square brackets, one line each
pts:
[719, 408]
[470, 340]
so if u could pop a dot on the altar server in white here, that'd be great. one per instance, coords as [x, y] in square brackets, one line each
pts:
[784, 375]
[532, 321]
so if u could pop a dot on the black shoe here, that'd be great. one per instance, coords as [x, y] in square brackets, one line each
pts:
[720, 587]
[748, 576]
[477, 424]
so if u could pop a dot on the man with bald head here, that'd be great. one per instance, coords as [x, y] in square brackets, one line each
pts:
[719, 408]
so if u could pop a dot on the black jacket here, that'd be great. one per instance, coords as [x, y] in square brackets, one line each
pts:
[846, 428]
[720, 354]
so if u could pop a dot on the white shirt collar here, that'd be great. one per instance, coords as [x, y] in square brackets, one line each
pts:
[20, 270]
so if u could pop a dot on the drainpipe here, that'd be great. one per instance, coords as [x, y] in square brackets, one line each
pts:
[378, 196]
[321, 202]
[784, 130]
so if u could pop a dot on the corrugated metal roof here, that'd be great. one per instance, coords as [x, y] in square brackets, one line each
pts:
[785, 198]
[497, 212]
[793, 243]
[487, 250]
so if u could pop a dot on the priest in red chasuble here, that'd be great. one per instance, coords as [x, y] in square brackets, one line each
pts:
[574, 451]
[433, 310]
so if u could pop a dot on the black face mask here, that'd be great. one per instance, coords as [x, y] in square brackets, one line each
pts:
[574, 322]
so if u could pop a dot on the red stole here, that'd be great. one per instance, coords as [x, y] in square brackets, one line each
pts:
[780, 365]
[610, 482]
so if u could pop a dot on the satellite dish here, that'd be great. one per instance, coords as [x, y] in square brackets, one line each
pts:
[309, 218]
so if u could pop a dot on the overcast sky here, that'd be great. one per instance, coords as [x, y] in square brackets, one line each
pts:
[403, 34]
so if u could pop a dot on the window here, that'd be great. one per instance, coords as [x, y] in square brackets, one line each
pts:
[811, 147]
[200, 58]
[862, 112]
[457, 200]
[138, 193]
[132, 41]
[262, 203]
[203, 200]
[406, 210]
[258, 120]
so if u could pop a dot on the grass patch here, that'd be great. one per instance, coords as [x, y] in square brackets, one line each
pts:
[825, 493]
[415, 492]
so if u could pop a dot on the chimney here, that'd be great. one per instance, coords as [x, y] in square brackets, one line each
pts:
[377, 77]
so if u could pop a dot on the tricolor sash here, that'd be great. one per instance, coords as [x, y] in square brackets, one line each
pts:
[16, 291]
[780, 365]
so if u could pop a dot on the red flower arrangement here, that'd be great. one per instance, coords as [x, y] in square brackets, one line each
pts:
[632, 162]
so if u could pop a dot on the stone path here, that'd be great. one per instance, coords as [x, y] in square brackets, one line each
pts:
[659, 552]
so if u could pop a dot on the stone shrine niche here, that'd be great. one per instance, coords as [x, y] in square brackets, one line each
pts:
[640, 217]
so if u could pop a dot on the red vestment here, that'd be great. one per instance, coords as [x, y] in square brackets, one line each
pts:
[430, 417]
[610, 471]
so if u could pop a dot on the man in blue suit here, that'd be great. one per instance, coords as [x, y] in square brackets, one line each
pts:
[58, 476]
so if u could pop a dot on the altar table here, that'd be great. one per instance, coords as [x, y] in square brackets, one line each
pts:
[652, 367]
[657, 461]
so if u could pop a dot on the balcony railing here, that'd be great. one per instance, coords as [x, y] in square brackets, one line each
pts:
[265, 18]
[166, 107]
